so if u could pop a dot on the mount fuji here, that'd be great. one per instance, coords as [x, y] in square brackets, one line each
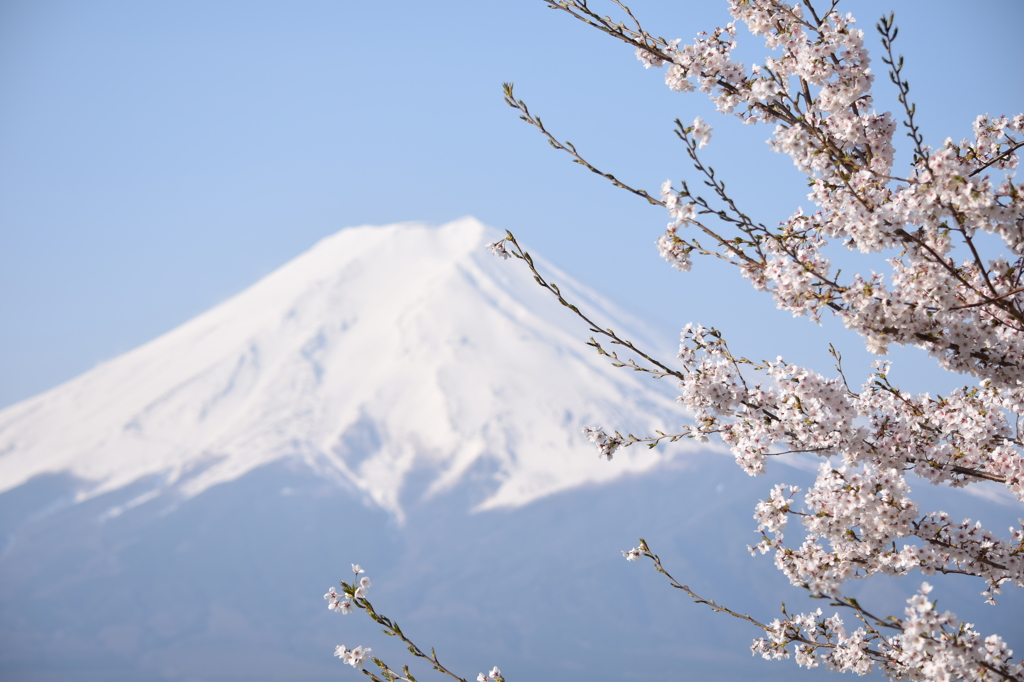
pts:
[395, 397]
[379, 353]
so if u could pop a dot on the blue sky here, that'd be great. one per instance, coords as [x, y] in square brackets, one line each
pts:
[158, 157]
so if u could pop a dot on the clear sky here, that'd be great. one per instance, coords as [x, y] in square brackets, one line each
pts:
[158, 157]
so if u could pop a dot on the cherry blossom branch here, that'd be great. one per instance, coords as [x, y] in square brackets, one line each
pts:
[709, 427]
[1009, 152]
[987, 301]
[887, 27]
[567, 146]
[816, 89]
[354, 595]
[520, 253]
[738, 218]
[642, 40]
[742, 221]
[977, 473]
[391, 628]
[645, 550]
[790, 635]
[658, 51]
[888, 31]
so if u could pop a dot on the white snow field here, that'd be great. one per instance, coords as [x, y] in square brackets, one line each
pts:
[400, 398]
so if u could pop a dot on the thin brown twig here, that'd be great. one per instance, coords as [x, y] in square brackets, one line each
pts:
[520, 253]
[1009, 151]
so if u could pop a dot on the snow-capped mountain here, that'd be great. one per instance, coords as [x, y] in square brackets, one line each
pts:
[400, 398]
[379, 352]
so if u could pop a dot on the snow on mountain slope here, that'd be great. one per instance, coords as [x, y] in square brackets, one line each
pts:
[379, 353]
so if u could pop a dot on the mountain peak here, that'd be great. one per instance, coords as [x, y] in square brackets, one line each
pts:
[379, 356]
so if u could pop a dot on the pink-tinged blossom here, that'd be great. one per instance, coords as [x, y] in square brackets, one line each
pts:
[648, 58]
[606, 445]
[949, 225]
[357, 569]
[356, 657]
[498, 249]
[701, 132]
[633, 554]
[670, 246]
[337, 603]
[681, 212]
[674, 250]
[342, 606]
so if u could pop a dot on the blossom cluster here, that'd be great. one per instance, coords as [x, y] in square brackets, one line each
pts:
[816, 88]
[606, 445]
[952, 229]
[354, 657]
[338, 603]
[498, 249]
[862, 508]
[670, 246]
[931, 646]
[342, 603]
[862, 514]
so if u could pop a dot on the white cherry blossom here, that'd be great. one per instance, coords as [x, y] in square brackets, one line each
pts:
[951, 225]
